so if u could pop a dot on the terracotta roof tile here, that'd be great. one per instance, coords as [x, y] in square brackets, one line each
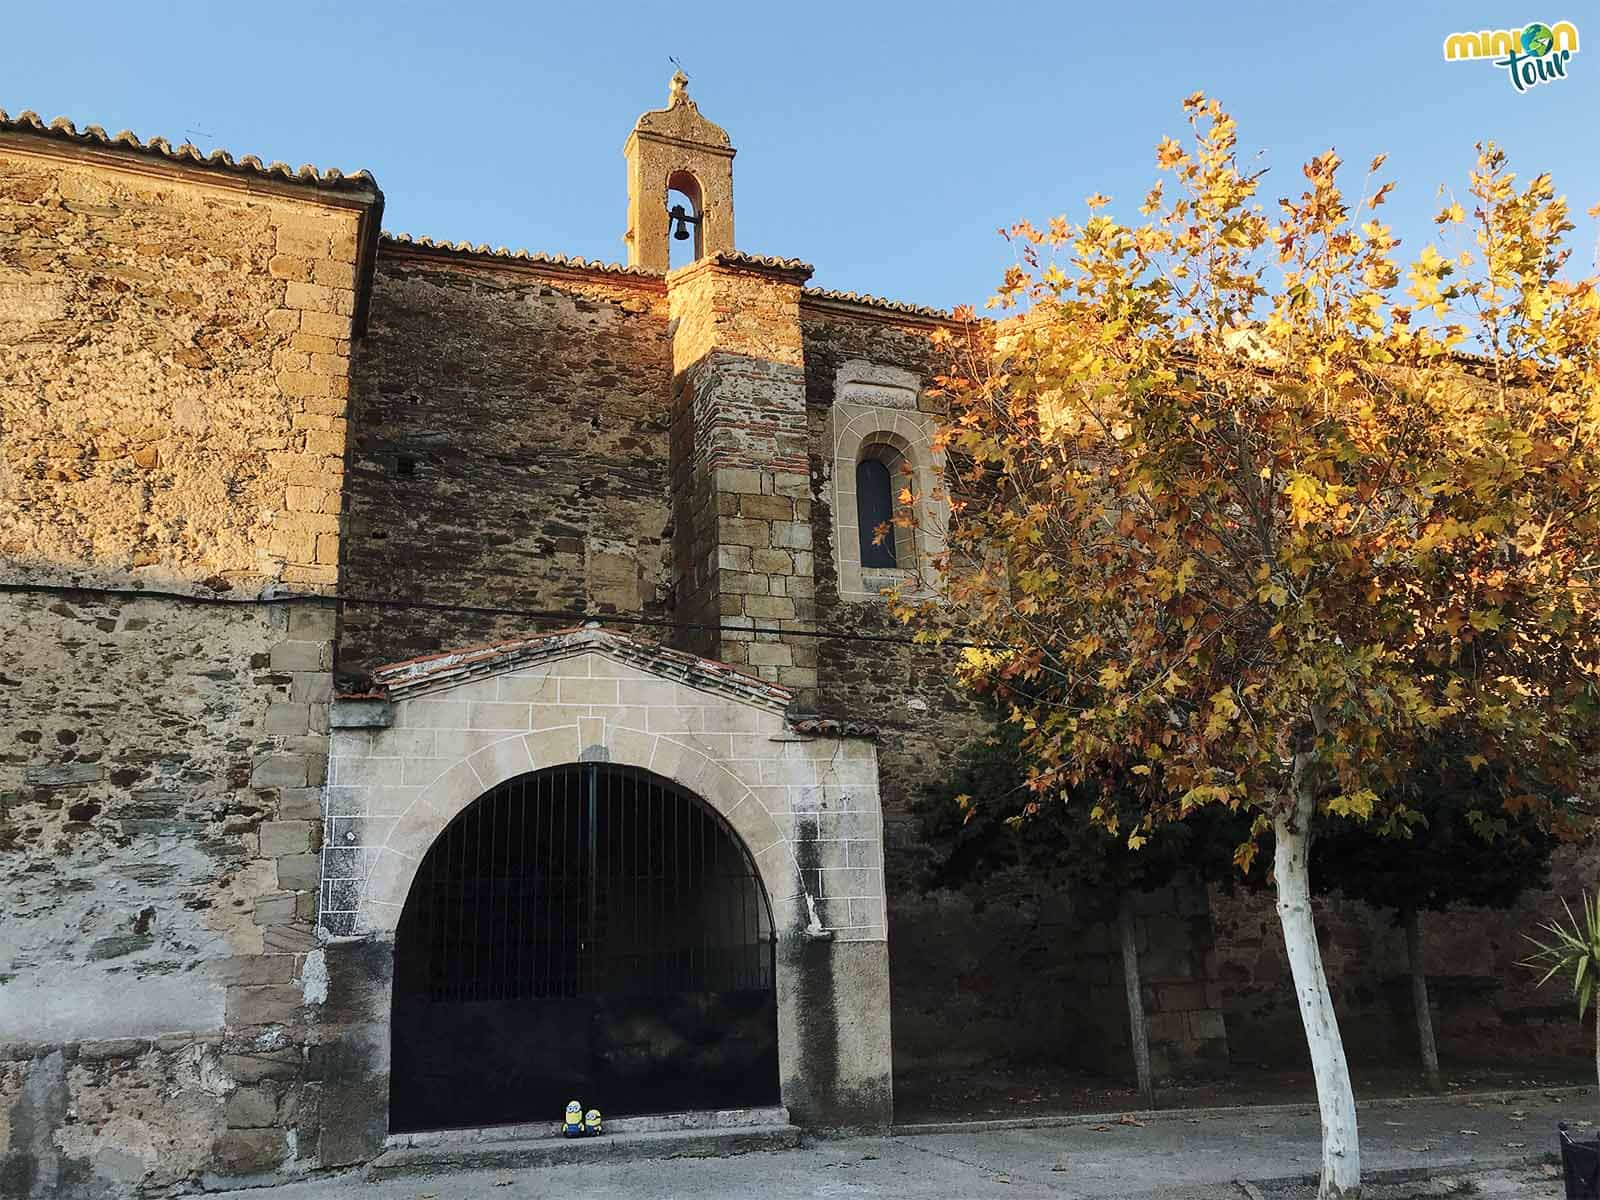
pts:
[483, 249]
[899, 306]
[63, 130]
[404, 679]
[738, 258]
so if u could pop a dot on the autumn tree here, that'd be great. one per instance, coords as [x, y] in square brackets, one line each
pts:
[1249, 510]
[1452, 841]
[987, 828]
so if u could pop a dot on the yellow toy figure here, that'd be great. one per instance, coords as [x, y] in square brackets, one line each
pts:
[591, 1123]
[572, 1123]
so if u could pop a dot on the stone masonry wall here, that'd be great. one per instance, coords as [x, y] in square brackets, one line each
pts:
[1486, 1007]
[511, 451]
[174, 359]
[160, 771]
[973, 974]
[743, 555]
[173, 355]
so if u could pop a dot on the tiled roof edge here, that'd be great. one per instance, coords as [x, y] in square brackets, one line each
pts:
[188, 154]
[483, 249]
[771, 262]
[402, 680]
[878, 302]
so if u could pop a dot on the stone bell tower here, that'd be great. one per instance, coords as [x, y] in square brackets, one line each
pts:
[675, 148]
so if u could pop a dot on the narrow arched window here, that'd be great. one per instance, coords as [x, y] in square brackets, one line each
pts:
[875, 508]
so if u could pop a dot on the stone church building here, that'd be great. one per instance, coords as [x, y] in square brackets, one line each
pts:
[440, 681]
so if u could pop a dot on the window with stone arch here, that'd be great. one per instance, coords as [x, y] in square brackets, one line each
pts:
[883, 474]
[882, 450]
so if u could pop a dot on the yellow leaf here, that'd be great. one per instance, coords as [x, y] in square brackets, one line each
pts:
[1185, 574]
[1358, 804]
[1485, 619]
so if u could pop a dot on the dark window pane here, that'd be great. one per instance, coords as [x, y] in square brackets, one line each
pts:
[875, 507]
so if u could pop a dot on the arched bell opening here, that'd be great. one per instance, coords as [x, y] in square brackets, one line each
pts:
[685, 219]
[587, 932]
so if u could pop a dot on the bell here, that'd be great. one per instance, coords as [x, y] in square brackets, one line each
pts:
[680, 223]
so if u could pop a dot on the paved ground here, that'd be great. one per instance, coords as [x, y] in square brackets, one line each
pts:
[1023, 1089]
[1196, 1156]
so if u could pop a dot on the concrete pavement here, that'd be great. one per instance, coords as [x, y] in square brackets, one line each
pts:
[1197, 1155]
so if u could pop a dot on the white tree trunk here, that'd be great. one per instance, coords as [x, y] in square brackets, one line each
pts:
[1341, 1151]
[1130, 981]
[1419, 1000]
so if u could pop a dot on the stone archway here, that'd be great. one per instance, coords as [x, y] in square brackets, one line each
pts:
[452, 727]
[583, 931]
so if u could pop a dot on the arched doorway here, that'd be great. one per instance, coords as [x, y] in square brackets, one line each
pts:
[586, 932]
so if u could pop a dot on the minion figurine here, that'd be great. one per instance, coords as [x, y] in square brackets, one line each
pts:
[572, 1123]
[591, 1123]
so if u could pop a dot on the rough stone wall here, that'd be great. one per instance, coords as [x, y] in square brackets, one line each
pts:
[1486, 1007]
[1012, 976]
[159, 806]
[173, 357]
[743, 558]
[695, 511]
[972, 978]
[510, 450]
[946, 974]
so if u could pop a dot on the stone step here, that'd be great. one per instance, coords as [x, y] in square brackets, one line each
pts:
[705, 1118]
[552, 1150]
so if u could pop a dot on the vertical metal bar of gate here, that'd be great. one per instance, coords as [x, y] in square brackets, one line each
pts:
[591, 803]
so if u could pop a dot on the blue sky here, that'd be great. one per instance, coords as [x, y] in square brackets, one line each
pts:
[884, 142]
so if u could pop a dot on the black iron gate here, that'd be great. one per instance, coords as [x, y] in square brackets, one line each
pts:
[587, 932]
